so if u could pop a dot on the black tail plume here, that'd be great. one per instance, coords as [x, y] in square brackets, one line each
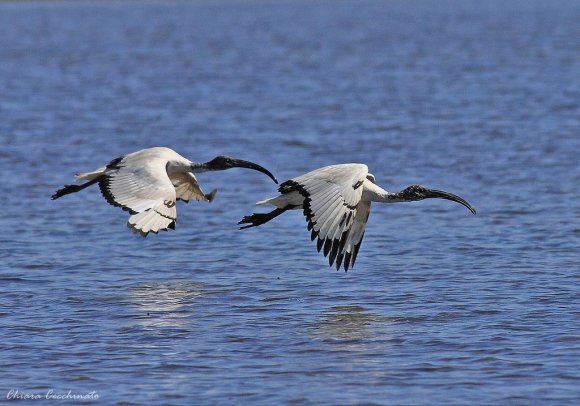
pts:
[67, 189]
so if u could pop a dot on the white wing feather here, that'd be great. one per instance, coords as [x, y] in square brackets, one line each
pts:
[153, 220]
[334, 210]
[142, 187]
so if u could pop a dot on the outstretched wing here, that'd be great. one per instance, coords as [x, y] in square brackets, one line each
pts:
[335, 213]
[355, 235]
[187, 188]
[144, 190]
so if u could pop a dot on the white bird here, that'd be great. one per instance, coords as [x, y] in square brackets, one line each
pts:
[148, 182]
[337, 201]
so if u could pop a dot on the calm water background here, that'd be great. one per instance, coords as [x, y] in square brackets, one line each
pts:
[442, 307]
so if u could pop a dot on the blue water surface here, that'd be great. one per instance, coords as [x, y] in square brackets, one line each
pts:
[443, 307]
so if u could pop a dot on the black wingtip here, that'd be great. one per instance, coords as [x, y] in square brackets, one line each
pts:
[347, 261]
[339, 260]
[319, 244]
[136, 231]
[327, 246]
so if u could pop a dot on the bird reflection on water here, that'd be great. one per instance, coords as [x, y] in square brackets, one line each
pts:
[164, 304]
[346, 324]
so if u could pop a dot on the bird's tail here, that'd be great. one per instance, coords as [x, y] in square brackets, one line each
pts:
[67, 189]
[257, 219]
[267, 201]
[90, 175]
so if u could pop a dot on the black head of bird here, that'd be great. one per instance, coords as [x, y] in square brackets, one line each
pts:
[223, 162]
[418, 192]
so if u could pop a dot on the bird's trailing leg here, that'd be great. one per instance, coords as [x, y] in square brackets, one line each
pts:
[67, 189]
[211, 195]
[257, 219]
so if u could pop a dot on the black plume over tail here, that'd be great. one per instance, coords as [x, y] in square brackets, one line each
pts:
[257, 219]
[67, 189]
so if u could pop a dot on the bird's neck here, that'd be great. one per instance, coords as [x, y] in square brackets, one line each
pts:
[199, 167]
[388, 197]
[184, 167]
[375, 193]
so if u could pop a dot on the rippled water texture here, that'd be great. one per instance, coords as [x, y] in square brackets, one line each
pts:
[478, 98]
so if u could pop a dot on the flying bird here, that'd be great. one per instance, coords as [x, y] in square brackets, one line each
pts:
[336, 201]
[147, 183]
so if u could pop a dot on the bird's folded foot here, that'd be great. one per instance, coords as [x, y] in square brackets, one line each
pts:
[211, 195]
[254, 220]
[257, 219]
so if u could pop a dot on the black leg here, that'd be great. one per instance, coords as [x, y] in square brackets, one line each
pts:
[257, 219]
[67, 189]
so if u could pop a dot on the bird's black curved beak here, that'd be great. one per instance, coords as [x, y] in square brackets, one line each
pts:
[240, 163]
[440, 194]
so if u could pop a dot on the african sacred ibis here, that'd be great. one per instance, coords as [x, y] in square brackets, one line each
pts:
[148, 182]
[337, 201]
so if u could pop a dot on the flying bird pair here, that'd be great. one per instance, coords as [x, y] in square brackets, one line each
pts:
[336, 200]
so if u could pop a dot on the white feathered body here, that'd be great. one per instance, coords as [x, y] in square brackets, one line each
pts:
[147, 183]
[336, 201]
